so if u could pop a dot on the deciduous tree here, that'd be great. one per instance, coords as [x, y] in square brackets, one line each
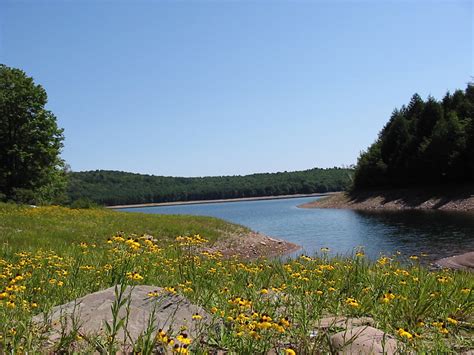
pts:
[31, 169]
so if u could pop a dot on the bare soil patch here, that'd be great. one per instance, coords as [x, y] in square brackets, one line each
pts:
[251, 245]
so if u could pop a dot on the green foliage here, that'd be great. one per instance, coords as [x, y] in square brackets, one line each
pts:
[31, 170]
[428, 142]
[83, 203]
[115, 187]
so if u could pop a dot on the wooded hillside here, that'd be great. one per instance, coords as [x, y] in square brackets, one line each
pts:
[116, 187]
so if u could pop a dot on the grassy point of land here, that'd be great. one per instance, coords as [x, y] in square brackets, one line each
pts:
[55, 227]
[52, 255]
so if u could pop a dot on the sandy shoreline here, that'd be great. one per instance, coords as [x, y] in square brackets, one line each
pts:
[198, 202]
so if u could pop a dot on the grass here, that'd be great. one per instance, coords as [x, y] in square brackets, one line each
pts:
[25, 228]
[55, 255]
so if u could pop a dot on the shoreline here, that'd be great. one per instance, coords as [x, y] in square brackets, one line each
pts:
[241, 199]
[459, 198]
[251, 245]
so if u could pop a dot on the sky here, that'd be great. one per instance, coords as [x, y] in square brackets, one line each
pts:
[206, 88]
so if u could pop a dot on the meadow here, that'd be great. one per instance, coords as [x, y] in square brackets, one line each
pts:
[52, 255]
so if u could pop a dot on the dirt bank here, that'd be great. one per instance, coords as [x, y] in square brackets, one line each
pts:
[452, 198]
[251, 245]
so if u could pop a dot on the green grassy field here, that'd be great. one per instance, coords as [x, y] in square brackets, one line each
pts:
[25, 228]
[51, 255]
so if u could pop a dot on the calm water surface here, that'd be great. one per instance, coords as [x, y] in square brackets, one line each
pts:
[436, 233]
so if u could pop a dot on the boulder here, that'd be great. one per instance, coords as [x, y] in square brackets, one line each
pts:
[167, 311]
[459, 262]
[343, 322]
[364, 340]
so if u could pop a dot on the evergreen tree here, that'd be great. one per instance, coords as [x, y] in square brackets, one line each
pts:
[423, 142]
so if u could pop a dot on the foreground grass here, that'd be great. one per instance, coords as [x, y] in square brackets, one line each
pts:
[264, 305]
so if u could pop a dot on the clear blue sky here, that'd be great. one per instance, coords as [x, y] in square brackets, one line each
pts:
[193, 88]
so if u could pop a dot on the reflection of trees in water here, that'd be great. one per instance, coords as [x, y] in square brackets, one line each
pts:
[437, 232]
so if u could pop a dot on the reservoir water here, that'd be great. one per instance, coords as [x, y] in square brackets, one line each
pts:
[436, 233]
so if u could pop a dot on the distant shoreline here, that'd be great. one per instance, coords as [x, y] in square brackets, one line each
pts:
[198, 202]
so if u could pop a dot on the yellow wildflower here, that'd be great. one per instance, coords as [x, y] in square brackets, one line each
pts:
[443, 330]
[352, 302]
[180, 349]
[196, 316]
[404, 334]
[184, 339]
[452, 320]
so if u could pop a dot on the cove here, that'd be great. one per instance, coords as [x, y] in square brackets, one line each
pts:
[435, 233]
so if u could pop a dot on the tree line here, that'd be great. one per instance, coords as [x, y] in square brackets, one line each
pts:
[424, 142]
[116, 187]
[32, 171]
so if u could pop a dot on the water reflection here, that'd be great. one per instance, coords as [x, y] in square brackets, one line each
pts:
[438, 233]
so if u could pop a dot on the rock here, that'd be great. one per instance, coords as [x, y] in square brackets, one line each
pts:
[263, 243]
[172, 312]
[464, 261]
[364, 340]
[343, 322]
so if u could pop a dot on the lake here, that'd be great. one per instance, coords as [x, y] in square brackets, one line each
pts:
[436, 233]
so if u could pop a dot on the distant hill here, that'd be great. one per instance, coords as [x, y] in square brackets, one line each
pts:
[116, 187]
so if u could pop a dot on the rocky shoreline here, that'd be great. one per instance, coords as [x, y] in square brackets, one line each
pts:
[251, 245]
[458, 198]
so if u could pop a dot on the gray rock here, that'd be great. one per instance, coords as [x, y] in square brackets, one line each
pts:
[343, 322]
[172, 312]
[459, 262]
[364, 340]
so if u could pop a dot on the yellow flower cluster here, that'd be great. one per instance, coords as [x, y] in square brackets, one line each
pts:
[191, 240]
[352, 302]
[178, 345]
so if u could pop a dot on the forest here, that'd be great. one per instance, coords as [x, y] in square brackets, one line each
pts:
[425, 142]
[116, 187]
